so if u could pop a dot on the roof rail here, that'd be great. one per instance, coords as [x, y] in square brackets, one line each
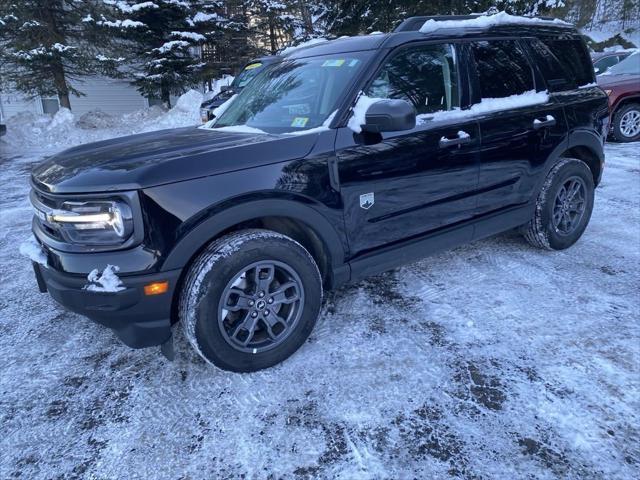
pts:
[413, 24]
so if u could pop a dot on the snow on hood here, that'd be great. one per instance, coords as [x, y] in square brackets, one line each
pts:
[484, 21]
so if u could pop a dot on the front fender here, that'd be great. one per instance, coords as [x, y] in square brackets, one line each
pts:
[299, 211]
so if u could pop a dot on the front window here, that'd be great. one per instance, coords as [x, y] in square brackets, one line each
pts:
[424, 76]
[294, 95]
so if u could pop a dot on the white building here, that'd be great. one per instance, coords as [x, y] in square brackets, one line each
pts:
[109, 95]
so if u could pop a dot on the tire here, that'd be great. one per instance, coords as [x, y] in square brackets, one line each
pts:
[542, 231]
[215, 303]
[626, 123]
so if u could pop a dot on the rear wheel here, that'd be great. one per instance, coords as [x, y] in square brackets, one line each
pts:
[563, 207]
[250, 300]
[626, 123]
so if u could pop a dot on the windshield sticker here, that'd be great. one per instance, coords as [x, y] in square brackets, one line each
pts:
[353, 62]
[299, 122]
[252, 66]
[333, 63]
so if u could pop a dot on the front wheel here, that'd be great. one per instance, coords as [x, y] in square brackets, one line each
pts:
[563, 207]
[250, 300]
[626, 123]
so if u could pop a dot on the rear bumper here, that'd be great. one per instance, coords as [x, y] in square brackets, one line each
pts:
[137, 319]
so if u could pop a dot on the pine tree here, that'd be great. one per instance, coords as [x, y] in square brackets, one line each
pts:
[276, 22]
[46, 44]
[162, 41]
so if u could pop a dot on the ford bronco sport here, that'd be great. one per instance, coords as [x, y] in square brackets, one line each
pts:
[344, 159]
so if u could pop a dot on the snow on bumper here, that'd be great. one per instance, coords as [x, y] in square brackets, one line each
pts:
[137, 319]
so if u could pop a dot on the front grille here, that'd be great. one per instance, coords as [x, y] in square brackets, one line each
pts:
[43, 205]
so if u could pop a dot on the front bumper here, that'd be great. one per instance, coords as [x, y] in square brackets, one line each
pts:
[3, 130]
[137, 319]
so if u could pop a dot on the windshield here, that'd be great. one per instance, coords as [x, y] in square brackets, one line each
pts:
[294, 95]
[629, 66]
[247, 74]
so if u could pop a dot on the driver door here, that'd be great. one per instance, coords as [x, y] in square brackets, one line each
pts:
[401, 185]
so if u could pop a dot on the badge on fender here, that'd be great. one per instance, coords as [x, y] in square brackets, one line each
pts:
[367, 200]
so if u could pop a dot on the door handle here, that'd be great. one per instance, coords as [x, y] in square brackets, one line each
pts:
[549, 121]
[462, 139]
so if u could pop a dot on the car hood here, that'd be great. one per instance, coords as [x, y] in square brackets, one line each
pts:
[165, 156]
[605, 81]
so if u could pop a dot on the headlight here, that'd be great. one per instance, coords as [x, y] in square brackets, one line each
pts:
[99, 222]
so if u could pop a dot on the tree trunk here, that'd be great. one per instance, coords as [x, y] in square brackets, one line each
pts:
[272, 36]
[306, 17]
[165, 95]
[60, 83]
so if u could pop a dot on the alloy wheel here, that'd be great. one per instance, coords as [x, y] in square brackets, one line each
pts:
[261, 306]
[569, 206]
[630, 123]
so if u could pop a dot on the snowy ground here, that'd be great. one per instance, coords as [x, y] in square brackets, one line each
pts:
[494, 360]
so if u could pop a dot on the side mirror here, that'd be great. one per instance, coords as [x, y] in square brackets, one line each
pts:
[389, 116]
[225, 88]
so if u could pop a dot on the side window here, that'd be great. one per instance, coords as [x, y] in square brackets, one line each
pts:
[424, 76]
[503, 68]
[565, 64]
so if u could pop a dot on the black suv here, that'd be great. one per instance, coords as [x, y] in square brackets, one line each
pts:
[343, 160]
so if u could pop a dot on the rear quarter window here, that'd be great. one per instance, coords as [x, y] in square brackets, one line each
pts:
[502, 68]
[565, 64]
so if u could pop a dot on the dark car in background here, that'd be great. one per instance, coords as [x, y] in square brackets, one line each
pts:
[622, 84]
[247, 73]
[603, 61]
[3, 127]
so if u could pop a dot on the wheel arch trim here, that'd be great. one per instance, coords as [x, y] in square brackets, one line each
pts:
[214, 225]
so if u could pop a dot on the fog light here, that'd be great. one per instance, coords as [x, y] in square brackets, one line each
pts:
[156, 288]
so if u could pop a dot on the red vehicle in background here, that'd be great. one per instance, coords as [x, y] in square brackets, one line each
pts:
[622, 84]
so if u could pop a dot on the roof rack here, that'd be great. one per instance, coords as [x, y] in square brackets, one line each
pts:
[413, 24]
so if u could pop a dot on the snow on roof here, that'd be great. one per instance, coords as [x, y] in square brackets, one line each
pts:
[308, 43]
[485, 21]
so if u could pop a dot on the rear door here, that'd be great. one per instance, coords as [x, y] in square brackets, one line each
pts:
[400, 185]
[520, 127]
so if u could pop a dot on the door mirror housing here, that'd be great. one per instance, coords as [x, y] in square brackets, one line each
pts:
[225, 88]
[389, 116]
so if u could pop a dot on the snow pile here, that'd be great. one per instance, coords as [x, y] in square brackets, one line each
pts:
[33, 250]
[107, 281]
[28, 129]
[358, 117]
[216, 86]
[185, 113]
[485, 21]
[308, 43]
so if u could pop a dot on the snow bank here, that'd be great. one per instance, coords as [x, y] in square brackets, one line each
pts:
[31, 248]
[485, 21]
[107, 281]
[30, 130]
[360, 111]
[217, 84]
